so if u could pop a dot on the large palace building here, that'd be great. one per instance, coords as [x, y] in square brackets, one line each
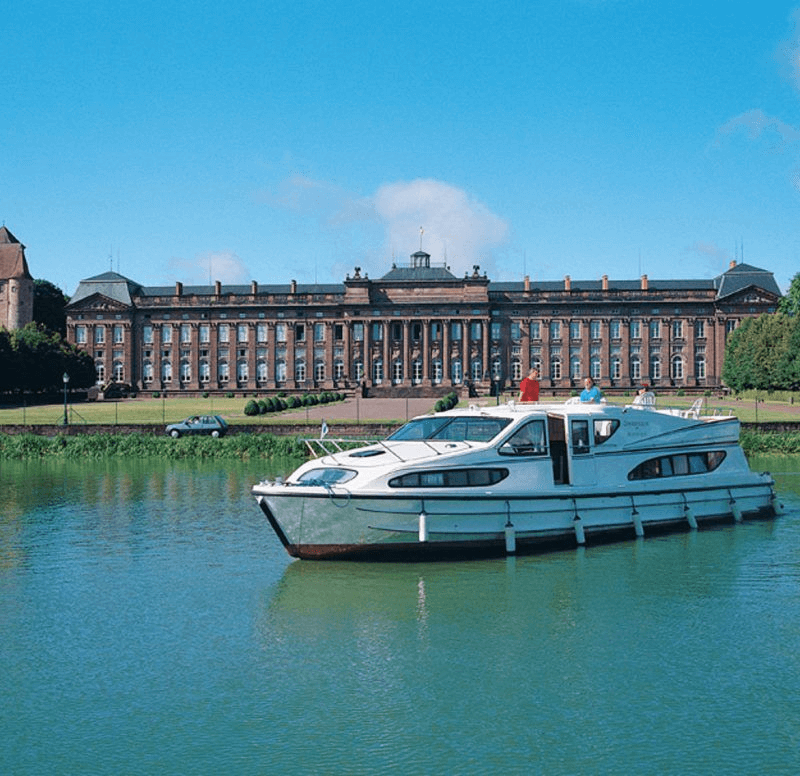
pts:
[419, 329]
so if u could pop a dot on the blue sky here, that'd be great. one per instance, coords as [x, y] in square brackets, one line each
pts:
[296, 140]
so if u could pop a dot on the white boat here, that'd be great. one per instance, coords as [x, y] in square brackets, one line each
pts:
[513, 478]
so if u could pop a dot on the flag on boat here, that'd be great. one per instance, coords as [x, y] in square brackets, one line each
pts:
[324, 430]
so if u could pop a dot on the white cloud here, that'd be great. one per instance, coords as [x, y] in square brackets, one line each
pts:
[457, 227]
[757, 123]
[210, 266]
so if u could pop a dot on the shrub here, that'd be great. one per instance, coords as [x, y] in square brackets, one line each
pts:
[156, 394]
[230, 395]
[205, 394]
[262, 407]
[251, 408]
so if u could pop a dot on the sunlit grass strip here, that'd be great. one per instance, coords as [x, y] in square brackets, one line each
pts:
[97, 446]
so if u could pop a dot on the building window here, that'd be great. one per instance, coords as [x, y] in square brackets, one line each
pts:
[574, 330]
[261, 371]
[636, 332]
[516, 331]
[338, 332]
[516, 370]
[223, 372]
[319, 371]
[555, 330]
[377, 332]
[594, 367]
[614, 329]
[377, 371]
[456, 371]
[80, 335]
[205, 333]
[437, 372]
[117, 335]
[166, 333]
[636, 369]
[397, 331]
[319, 332]
[397, 371]
[205, 372]
[677, 368]
[147, 372]
[300, 371]
[358, 370]
[497, 369]
[700, 365]
[700, 329]
[536, 330]
[300, 333]
[99, 335]
[455, 331]
[224, 332]
[338, 370]
[241, 332]
[555, 368]
[594, 329]
[616, 368]
[496, 331]
[118, 372]
[677, 329]
[477, 370]
[261, 332]
[416, 371]
[280, 372]
[166, 371]
[242, 373]
[436, 331]
[655, 329]
[186, 371]
[575, 370]
[280, 332]
[358, 332]
[655, 366]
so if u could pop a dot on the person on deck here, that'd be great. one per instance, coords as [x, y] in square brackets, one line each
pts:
[529, 387]
[590, 393]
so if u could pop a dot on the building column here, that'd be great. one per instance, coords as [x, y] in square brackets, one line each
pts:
[445, 350]
[406, 351]
[426, 351]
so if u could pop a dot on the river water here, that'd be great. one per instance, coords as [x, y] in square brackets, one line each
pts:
[151, 623]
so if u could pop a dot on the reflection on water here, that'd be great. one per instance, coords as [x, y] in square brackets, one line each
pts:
[153, 623]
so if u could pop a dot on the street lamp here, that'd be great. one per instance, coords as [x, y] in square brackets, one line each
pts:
[65, 378]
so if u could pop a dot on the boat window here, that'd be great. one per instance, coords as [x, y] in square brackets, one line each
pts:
[325, 476]
[604, 429]
[676, 465]
[449, 478]
[580, 437]
[367, 453]
[528, 440]
[451, 428]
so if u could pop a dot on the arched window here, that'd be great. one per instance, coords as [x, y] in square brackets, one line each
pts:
[677, 368]
[555, 368]
[186, 371]
[575, 370]
[166, 371]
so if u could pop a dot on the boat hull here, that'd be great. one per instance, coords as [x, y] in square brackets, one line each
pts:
[319, 523]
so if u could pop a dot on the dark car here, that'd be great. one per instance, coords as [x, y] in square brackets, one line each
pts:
[212, 425]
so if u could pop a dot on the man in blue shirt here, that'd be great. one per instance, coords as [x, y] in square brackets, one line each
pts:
[590, 392]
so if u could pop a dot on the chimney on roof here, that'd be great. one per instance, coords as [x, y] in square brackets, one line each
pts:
[527, 283]
[293, 287]
[217, 288]
[567, 283]
[178, 288]
[253, 287]
[605, 282]
[733, 264]
[644, 282]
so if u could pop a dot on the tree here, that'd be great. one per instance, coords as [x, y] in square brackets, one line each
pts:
[48, 306]
[790, 304]
[762, 354]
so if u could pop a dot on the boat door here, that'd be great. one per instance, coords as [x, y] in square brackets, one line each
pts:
[583, 464]
[556, 430]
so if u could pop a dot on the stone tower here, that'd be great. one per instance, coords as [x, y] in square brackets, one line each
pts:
[16, 283]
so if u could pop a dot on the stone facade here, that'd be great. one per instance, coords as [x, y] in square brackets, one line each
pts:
[16, 283]
[416, 330]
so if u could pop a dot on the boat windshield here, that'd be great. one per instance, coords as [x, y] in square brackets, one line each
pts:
[455, 429]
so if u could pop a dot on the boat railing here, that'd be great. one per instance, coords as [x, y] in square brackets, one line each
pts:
[319, 447]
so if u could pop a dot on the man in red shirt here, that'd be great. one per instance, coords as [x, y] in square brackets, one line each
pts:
[529, 387]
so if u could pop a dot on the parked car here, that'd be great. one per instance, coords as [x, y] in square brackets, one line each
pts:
[213, 425]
